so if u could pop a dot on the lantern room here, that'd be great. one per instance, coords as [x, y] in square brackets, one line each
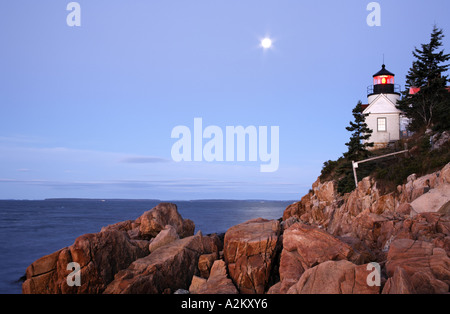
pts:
[383, 80]
[383, 83]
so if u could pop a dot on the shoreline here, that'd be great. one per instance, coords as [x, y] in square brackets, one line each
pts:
[324, 243]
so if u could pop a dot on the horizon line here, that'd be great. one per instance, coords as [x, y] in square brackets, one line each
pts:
[145, 199]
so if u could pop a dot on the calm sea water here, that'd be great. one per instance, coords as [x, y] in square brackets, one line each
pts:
[32, 229]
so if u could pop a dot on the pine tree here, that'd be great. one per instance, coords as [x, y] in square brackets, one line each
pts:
[358, 144]
[357, 150]
[430, 107]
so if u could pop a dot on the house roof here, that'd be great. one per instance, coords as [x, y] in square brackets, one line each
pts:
[381, 105]
[415, 90]
[383, 71]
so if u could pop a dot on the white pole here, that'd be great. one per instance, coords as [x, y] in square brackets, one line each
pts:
[354, 166]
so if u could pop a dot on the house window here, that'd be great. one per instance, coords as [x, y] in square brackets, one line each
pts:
[382, 125]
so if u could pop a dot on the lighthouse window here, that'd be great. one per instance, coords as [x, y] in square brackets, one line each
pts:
[382, 125]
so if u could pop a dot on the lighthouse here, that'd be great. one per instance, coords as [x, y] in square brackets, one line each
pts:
[383, 117]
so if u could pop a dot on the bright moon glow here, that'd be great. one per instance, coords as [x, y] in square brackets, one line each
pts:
[266, 43]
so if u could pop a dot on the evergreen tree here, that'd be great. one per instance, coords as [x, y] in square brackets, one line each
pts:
[358, 144]
[430, 107]
[357, 150]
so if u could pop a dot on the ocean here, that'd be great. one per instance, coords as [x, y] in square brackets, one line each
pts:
[32, 229]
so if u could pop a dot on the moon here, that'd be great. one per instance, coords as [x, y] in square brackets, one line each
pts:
[266, 43]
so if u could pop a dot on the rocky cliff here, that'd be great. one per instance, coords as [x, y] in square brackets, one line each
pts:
[326, 243]
[407, 231]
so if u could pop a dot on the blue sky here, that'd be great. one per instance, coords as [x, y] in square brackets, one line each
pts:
[88, 111]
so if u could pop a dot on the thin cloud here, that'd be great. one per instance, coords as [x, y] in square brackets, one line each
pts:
[139, 184]
[21, 139]
[23, 170]
[143, 160]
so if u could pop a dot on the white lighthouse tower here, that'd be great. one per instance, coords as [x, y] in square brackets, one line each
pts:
[383, 116]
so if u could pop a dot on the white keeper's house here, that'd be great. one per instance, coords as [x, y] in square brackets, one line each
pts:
[386, 121]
